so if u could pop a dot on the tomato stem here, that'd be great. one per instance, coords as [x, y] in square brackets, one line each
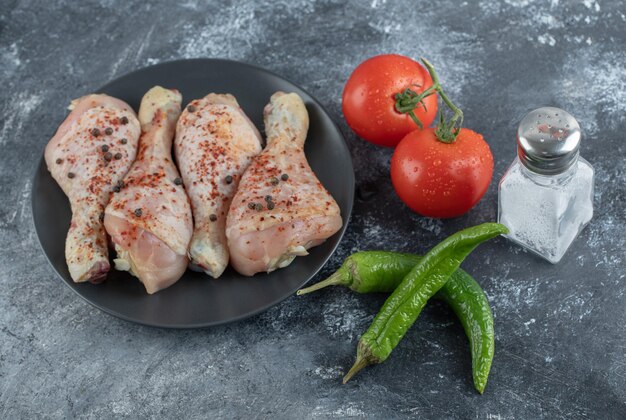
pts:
[408, 100]
[446, 131]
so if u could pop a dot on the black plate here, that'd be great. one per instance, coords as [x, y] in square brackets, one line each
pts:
[197, 300]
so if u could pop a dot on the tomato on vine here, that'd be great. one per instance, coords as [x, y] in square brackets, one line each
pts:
[376, 96]
[444, 171]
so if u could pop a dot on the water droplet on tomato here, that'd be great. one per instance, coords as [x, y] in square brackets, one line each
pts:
[436, 162]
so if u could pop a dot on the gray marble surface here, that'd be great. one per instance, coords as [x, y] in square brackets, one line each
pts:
[560, 330]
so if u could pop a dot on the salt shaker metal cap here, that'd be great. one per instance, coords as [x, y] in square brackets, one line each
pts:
[548, 140]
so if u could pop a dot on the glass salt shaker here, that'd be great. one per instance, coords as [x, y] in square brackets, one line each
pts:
[545, 198]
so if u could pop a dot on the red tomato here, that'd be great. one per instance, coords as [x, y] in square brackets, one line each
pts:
[368, 101]
[442, 180]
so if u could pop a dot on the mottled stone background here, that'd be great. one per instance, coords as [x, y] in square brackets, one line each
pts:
[560, 330]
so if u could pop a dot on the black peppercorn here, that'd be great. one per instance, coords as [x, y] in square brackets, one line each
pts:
[178, 181]
[191, 108]
[118, 156]
[108, 156]
[268, 198]
[71, 175]
[284, 177]
[258, 206]
[213, 217]
[270, 205]
[105, 148]
[59, 161]
[274, 181]
[124, 141]
[138, 212]
[108, 131]
[116, 189]
[228, 179]
[120, 185]
[95, 132]
[124, 120]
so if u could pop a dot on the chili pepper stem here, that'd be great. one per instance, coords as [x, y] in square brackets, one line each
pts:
[339, 277]
[359, 364]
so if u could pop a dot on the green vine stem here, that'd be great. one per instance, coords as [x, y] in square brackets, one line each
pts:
[408, 100]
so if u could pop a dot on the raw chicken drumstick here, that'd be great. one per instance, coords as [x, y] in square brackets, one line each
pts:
[149, 216]
[214, 143]
[280, 209]
[90, 152]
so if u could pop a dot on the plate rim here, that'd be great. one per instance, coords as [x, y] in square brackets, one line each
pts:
[350, 204]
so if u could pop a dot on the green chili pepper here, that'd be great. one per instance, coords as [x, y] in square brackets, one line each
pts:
[469, 303]
[369, 272]
[425, 279]
[382, 271]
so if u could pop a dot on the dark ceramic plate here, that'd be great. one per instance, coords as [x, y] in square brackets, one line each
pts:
[197, 300]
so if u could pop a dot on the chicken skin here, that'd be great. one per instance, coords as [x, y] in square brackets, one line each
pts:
[149, 216]
[215, 142]
[281, 209]
[90, 153]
